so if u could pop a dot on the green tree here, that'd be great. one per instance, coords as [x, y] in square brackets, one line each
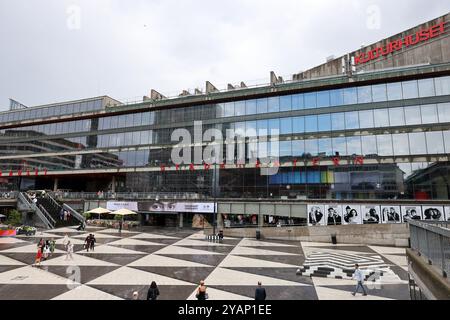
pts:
[14, 218]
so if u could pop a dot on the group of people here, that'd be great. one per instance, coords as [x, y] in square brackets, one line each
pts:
[64, 215]
[45, 250]
[201, 294]
[89, 242]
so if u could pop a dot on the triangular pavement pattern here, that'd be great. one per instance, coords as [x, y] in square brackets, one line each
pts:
[193, 243]
[215, 294]
[86, 293]
[32, 248]
[324, 293]
[29, 275]
[106, 249]
[78, 260]
[128, 276]
[116, 231]
[227, 277]
[254, 252]
[73, 241]
[11, 241]
[133, 242]
[184, 251]
[161, 261]
[237, 262]
[97, 235]
[152, 236]
[6, 261]
[255, 243]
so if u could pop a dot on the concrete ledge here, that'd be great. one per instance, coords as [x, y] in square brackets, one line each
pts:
[429, 279]
[384, 234]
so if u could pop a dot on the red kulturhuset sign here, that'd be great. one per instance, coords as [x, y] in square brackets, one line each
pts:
[396, 45]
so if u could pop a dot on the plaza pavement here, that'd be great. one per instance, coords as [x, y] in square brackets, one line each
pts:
[178, 260]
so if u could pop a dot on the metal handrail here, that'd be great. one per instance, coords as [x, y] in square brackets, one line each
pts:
[431, 240]
[47, 215]
[25, 199]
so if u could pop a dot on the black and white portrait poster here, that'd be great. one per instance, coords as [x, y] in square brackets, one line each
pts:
[433, 213]
[316, 215]
[351, 214]
[371, 214]
[411, 212]
[447, 213]
[333, 215]
[391, 214]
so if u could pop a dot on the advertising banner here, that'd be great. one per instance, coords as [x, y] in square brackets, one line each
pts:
[117, 205]
[371, 214]
[316, 216]
[175, 207]
[433, 213]
[391, 214]
[333, 215]
[411, 212]
[351, 214]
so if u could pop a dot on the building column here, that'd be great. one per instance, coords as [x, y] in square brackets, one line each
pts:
[180, 220]
[55, 184]
[113, 184]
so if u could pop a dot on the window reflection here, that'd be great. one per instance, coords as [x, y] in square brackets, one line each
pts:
[429, 114]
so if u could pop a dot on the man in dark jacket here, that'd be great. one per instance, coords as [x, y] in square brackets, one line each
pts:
[260, 293]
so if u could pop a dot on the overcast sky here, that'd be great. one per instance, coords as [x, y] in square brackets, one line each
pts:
[57, 50]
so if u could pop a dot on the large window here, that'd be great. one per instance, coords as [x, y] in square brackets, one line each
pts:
[410, 90]
[444, 112]
[401, 144]
[298, 125]
[351, 120]
[273, 104]
[338, 121]
[381, 118]
[435, 142]
[366, 119]
[350, 96]
[397, 117]
[310, 100]
[429, 114]
[394, 91]
[354, 145]
[365, 94]
[323, 99]
[250, 107]
[311, 124]
[286, 126]
[369, 145]
[285, 103]
[418, 143]
[336, 97]
[324, 122]
[413, 115]
[384, 144]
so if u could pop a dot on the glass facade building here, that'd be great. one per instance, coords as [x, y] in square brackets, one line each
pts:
[398, 126]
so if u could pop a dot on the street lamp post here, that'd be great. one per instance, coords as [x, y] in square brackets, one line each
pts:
[214, 190]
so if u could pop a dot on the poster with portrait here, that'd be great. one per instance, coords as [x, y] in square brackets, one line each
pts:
[316, 215]
[411, 212]
[351, 214]
[371, 214]
[391, 214]
[333, 214]
[447, 213]
[433, 213]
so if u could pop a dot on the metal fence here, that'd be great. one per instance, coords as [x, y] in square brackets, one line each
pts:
[128, 196]
[431, 240]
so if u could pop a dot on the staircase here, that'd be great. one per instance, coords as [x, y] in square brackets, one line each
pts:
[40, 211]
[48, 210]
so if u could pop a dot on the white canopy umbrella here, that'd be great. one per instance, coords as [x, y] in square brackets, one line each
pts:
[123, 212]
[99, 211]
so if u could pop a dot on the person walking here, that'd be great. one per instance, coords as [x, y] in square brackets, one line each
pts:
[46, 251]
[153, 292]
[260, 292]
[201, 291]
[66, 240]
[69, 251]
[93, 241]
[52, 247]
[87, 243]
[359, 277]
[37, 260]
